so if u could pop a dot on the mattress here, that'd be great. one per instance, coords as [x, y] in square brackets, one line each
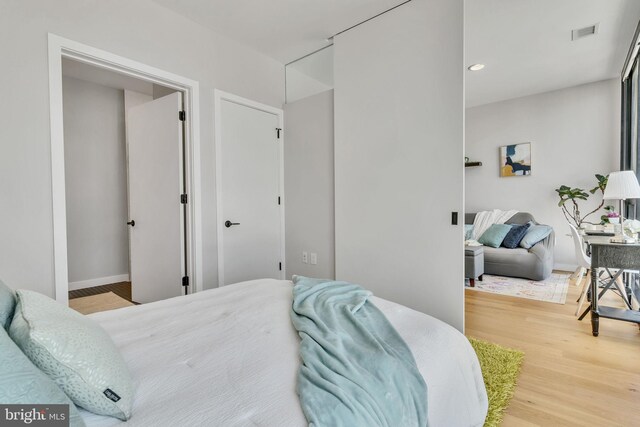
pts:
[229, 357]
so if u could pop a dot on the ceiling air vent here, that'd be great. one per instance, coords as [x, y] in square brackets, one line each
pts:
[580, 33]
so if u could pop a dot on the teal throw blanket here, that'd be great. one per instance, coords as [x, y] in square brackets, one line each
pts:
[356, 369]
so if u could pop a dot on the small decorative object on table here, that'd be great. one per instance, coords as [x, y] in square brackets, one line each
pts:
[613, 217]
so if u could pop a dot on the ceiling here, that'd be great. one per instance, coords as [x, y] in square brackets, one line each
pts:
[526, 45]
[282, 29]
[103, 77]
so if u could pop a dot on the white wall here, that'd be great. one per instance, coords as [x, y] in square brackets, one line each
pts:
[399, 120]
[132, 99]
[309, 195]
[310, 75]
[301, 85]
[161, 91]
[574, 134]
[140, 30]
[96, 181]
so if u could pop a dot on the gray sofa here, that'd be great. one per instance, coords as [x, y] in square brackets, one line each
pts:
[535, 263]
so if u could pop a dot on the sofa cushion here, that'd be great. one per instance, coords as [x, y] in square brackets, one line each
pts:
[494, 235]
[521, 218]
[518, 262]
[504, 254]
[515, 235]
[535, 234]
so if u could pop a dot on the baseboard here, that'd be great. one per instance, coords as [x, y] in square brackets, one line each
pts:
[565, 267]
[91, 283]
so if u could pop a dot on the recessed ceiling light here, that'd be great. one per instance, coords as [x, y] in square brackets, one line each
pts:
[476, 67]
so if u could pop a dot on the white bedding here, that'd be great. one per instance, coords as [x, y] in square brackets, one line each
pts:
[229, 357]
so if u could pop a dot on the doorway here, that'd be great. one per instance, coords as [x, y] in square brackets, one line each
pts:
[124, 181]
[183, 154]
[250, 189]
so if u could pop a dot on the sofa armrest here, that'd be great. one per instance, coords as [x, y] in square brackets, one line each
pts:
[544, 249]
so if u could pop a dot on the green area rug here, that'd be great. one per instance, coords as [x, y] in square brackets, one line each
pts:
[500, 368]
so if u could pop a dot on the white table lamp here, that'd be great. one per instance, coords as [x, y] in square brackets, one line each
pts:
[621, 186]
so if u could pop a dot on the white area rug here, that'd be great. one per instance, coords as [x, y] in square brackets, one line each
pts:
[554, 289]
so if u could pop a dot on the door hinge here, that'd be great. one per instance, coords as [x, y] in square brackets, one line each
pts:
[183, 199]
[280, 266]
[278, 130]
[182, 115]
[185, 281]
[278, 199]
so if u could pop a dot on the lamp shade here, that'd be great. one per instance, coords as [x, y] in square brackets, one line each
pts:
[622, 185]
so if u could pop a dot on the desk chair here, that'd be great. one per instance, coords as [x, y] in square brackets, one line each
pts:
[584, 263]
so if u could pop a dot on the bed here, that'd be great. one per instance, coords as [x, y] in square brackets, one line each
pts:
[229, 357]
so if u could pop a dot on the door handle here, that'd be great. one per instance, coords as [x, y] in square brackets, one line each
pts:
[228, 223]
[131, 223]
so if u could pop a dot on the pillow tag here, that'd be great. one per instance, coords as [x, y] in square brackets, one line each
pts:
[111, 395]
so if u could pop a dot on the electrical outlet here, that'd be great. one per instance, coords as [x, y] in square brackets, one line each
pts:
[305, 257]
[314, 258]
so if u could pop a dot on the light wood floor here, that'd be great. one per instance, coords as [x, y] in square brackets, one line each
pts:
[569, 377]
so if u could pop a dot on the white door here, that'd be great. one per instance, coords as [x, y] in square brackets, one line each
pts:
[250, 209]
[154, 134]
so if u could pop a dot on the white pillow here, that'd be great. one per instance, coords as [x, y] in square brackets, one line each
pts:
[75, 352]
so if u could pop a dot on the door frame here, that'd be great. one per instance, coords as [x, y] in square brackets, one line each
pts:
[58, 48]
[219, 97]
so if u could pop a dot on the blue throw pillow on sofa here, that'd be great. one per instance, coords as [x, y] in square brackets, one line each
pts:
[494, 235]
[468, 231]
[515, 235]
[535, 234]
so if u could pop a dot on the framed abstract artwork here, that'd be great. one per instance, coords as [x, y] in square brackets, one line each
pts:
[515, 160]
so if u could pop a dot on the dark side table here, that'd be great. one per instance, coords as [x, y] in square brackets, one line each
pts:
[614, 256]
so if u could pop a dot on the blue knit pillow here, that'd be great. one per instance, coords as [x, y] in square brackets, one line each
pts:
[494, 235]
[515, 235]
[535, 234]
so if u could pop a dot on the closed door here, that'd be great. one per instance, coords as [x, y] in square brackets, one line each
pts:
[154, 134]
[250, 210]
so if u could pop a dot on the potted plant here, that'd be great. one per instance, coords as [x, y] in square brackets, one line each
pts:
[570, 197]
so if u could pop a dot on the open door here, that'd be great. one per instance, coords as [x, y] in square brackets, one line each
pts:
[157, 215]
